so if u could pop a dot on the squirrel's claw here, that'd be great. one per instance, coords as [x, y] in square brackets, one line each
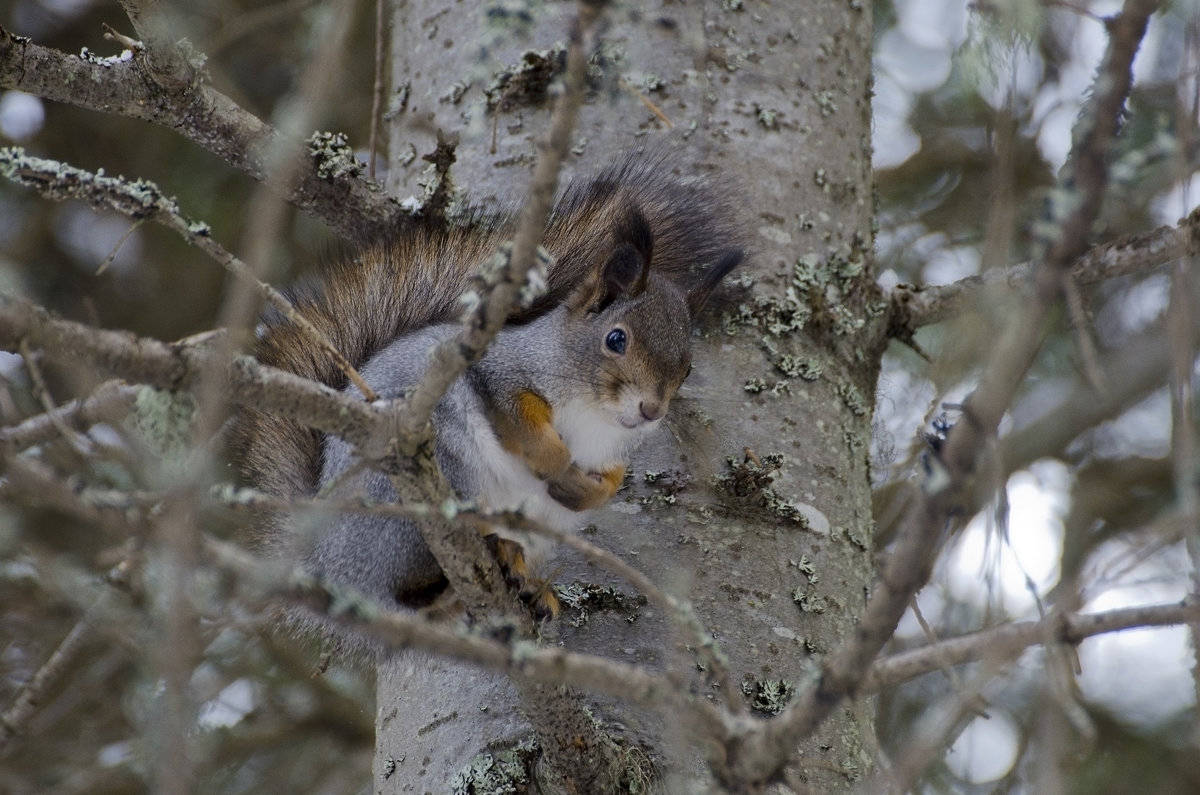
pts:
[580, 490]
[536, 593]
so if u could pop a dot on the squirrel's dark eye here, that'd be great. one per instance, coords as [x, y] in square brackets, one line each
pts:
[615, 341]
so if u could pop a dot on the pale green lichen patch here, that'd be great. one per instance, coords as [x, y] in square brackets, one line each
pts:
[806, 568]
[105, 61]
[700, 417]
[809, 600]
[333, 157]
[776, 316]
[454, 94]
[748, 477]
[853, 399]
[767, 118]
[809, 369]
[804, 367]
[398, 101]
[164, 421]
[749, 482]
[581, 599]
[820, 292]
[54, 180]
[606, 63]
[758, 385]
[769, 696]
[498, 773]
[668, 485]
[856, 537]
[784, 508]
[648, 83]
[826, 103]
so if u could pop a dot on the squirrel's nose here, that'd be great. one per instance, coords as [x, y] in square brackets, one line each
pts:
[652, 410]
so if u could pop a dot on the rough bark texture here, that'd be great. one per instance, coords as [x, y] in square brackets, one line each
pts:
[772, 99]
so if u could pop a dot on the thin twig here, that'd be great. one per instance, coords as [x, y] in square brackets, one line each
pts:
[916, 307]
[400, 630]
[377, 90]
[934, 731]
[149, 361]
[450, 359]
[25, 705]
[346, 203]
[42, 392]
[265, 214]
[655, 109]
[457, 549]
[142, 200]
[1089, 356]
[251, 20]
[112, 400]
[1013, 638]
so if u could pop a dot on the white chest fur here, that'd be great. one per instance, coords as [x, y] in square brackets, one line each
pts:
[595, 438]
[506, 483]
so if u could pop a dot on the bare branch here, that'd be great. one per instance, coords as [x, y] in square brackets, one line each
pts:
[934, 730]
[127, 86]
[167, 63]
[1010, 640]
[521, 659]
[24, 706]
[1181, 319]
[110, 402]
[914, 307]
[377, 89]
[142, 200]
[176, 366]
[1131, 374]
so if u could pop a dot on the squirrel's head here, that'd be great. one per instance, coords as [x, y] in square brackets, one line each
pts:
[636, 326]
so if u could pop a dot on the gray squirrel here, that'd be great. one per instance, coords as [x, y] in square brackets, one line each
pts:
[546, 419]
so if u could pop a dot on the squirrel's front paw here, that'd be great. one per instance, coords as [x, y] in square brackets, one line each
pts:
[580, 490]
[536, 593]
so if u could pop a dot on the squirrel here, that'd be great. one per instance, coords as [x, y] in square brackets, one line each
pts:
[546, 419]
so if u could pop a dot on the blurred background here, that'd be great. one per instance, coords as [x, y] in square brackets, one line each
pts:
[974, 108]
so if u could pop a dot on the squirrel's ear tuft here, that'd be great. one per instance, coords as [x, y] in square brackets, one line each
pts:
[634, 232]
[625, 272]
[697, 297]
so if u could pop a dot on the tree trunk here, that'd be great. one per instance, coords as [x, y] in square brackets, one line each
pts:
[771, 100]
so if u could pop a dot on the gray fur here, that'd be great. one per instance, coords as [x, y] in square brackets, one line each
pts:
[385, 558]
[601, 402]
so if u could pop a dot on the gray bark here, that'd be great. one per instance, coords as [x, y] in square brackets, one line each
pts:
[772, 100]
